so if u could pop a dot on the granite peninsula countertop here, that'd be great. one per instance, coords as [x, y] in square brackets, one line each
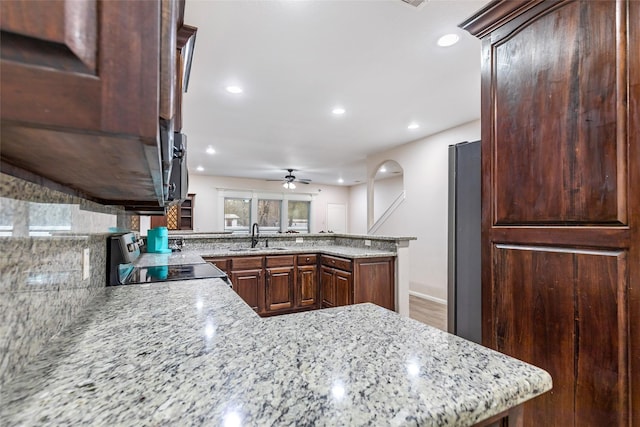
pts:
[194, 256]
[345, 245]
[193, 353]
[341, 251]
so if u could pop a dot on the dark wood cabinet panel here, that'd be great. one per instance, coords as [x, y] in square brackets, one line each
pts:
[565, 310]
[86, 86]
[280, 288]
[570, 91]
[112, 100]
[343, 282]
[601, 328]
[295, 282]
[52, 34]
[307, 277]
[561, 201]
[185, 212]
[328, 288]
[340, 263]
[374, 282]
[249, 285]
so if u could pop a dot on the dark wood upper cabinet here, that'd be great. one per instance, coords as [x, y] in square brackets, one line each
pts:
[85, 89]
[561, 201]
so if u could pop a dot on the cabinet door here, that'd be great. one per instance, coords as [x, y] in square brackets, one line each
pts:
[55, 62]
[561, 202]
[328, 288]
[307, 286]
[249, 285]
[343, 287]
[80, 94]
[279, 288]
[375, 282]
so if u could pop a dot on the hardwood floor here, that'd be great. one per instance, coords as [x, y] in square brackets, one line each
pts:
[429, 312]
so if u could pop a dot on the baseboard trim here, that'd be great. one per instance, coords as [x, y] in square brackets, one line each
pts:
[428, 297]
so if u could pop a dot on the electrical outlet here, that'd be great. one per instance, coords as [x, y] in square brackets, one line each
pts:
[367, 242]
[86, 260]
[299, 240]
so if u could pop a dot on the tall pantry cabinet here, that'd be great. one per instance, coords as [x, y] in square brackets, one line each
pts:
[561, 201]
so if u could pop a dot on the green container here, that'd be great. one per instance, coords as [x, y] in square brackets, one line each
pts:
[158, 241]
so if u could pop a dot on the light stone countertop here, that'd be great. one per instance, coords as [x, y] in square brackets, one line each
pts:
[193, 353]
[194, 256]
[341, 251]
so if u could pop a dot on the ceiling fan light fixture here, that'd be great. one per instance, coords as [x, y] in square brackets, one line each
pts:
[289, 185]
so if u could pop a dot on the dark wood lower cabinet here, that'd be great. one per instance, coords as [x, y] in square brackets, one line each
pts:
[279, 284]
[279, 288]
[346, 281]
[327, 286]
[273, 284]
[249, 284]
[307, 286]
[344, 285]
[247, 279]
[371, 281]
[336, 287]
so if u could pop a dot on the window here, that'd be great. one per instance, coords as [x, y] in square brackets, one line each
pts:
[273, 212]
[237, 215]
[298, 215]
[269, 216]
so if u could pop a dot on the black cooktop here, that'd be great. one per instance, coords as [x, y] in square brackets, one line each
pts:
[173, 272]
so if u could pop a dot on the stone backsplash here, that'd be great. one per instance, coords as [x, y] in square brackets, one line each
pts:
[44, 234]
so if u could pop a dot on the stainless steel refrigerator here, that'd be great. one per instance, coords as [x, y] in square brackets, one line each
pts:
[464, 300]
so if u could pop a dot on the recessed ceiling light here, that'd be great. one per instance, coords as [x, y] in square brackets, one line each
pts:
[340, 180]
[338, 110]
[413, 126]
[234, 89]
[199, 168]
[383, 169]
[211, 150]
[448, 40]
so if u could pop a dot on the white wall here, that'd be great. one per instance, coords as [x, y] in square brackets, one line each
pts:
[206, 217]
[424, 213]
[386, 191]
[357, 212]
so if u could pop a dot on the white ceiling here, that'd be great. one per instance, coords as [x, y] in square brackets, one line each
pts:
[297, 60]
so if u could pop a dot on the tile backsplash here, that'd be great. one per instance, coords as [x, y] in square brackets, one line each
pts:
[44, 234]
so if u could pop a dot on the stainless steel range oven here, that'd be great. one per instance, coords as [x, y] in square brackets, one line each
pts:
[124, 249]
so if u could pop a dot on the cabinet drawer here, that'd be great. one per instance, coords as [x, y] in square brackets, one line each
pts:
[340, 263]
[279, 261]
[246, 263]
[307, 259]
[223, 264]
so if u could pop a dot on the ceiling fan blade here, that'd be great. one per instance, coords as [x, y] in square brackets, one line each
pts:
[303, 181]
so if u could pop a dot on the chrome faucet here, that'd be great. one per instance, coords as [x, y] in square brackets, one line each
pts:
[255, 234]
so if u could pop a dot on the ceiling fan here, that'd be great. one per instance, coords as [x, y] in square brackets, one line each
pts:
[290, 179]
